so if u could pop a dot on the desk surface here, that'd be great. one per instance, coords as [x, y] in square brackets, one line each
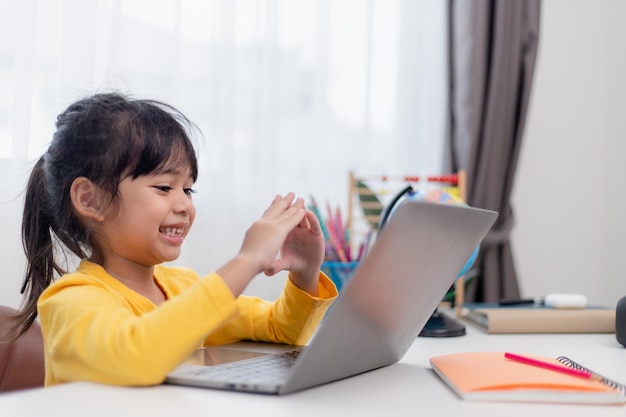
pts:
[407, 388]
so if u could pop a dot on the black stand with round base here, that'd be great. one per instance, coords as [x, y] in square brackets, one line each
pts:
[441, 325]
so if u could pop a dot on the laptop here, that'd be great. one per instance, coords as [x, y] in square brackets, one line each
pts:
[376, 317]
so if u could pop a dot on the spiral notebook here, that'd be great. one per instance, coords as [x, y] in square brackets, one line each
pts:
[491, 376]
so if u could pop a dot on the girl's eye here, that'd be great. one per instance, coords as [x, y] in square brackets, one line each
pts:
[167, 189]
[163, 188]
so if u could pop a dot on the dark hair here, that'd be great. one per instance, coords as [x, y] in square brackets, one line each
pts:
[105, 138]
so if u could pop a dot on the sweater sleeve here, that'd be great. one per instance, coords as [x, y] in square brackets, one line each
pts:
[291, 319]
[93, 334]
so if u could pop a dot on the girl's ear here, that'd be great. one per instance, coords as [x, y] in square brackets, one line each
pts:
[85, 197]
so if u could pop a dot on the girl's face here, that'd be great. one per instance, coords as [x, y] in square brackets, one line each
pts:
[155, 214]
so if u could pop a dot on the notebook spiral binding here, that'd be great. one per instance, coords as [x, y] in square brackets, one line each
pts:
[606, 381]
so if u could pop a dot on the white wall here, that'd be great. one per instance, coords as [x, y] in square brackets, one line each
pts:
[568, 198]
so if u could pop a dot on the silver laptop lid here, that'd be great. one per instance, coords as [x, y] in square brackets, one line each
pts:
[393, 292]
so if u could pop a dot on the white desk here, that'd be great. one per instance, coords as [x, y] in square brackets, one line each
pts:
[408, 388]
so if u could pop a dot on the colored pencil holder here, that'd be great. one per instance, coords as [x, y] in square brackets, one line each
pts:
[339, 272]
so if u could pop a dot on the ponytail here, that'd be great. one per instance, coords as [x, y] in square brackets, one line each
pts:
[37, 224]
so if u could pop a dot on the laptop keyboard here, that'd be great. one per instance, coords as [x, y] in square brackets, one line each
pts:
[268, 368]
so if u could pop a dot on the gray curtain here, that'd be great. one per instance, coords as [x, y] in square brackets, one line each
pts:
[493, 46]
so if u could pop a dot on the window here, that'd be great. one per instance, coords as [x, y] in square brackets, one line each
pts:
[289, 95]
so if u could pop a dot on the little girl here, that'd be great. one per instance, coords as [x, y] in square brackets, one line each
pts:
[114, 189]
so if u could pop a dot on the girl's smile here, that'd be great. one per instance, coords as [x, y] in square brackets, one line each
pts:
[174, 233]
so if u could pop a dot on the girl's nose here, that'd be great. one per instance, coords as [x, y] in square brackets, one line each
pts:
[184, 203]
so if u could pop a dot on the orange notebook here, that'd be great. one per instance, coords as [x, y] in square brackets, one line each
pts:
[489, 376]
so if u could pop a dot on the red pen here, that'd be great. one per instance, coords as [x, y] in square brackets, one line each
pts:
[548, 365]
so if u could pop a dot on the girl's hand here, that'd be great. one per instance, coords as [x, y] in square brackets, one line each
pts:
[265, 238]
[263, 242]
[286, 237]
[302, 254]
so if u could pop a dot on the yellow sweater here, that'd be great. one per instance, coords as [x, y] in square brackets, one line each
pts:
[97, 329]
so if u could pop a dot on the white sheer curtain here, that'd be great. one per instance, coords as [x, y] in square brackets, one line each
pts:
[289, 95]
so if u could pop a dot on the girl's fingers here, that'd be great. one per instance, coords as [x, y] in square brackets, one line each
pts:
[286, 213]
[279, 204]
[309, 222]
[304, 223]
[312, 223]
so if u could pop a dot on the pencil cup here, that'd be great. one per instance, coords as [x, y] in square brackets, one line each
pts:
[339, 272]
